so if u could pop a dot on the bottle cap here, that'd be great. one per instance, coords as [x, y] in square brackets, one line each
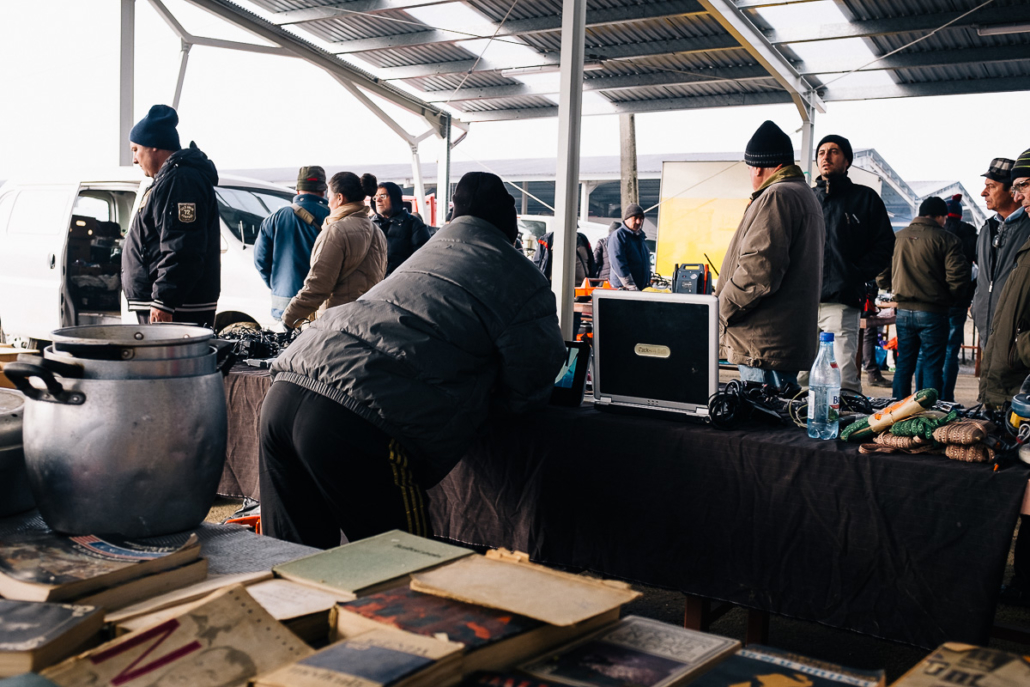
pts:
[825, 336]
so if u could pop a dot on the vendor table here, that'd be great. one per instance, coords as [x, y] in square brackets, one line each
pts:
[907, 548]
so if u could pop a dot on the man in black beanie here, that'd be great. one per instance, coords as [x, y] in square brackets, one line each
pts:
[859, 246]
[630, 256]
[770, 278]
[378, 399]
[171, 263]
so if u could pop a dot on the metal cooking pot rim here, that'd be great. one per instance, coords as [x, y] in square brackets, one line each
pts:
[12, 406]
[131, 335]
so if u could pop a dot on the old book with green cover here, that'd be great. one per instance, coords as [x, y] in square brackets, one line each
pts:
[762, 665]
[493, 638]
[368, 565]
[381, 658]
[963, 665]
[227, 640]
[635, 652]
[51, 567]
[34, 635]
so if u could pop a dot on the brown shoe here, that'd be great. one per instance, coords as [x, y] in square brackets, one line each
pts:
[876, 379]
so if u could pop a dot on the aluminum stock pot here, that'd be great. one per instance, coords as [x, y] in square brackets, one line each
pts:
[15, 494]
[123, 443]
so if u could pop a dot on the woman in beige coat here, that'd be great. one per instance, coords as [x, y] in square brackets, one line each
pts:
[349, 256]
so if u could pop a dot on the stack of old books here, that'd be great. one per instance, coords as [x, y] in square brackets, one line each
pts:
[393, 610]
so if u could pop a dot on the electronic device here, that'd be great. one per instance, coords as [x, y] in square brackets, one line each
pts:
[655, 351]
[571, 381]
[696, 278]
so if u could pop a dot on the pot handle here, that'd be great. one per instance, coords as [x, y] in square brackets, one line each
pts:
[19, 374]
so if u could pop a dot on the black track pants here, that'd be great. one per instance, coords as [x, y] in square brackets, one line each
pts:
[324, 469]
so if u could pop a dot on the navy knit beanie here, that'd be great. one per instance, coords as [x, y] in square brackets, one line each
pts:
[842, 143]
[157, 129]
[954, 205]
[769, 147]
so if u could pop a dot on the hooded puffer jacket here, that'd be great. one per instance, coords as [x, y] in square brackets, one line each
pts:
[464, 327]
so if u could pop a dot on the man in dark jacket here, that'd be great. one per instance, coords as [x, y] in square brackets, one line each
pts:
[966, 234]
[627, 249]
[769, 282]
[405, 232]
[602, 261]
[859, 245]
[584, 262]
[928, 275]
[171, 262]
[282, 251]
[378, 399]
[1000, 239]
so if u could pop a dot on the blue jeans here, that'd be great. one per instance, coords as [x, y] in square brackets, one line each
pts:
[922, 337]
[774, 378]
[956, 337]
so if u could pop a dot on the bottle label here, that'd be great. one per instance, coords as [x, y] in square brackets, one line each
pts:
[834, 413]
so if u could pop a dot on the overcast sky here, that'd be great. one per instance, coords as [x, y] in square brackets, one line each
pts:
[59, 108]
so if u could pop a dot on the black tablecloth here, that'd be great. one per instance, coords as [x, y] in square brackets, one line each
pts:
[908, 548]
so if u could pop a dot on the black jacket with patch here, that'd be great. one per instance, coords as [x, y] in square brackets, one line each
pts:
[171, 258]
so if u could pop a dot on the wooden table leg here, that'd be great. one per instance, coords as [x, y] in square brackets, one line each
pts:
[757, 627]
[697, 615]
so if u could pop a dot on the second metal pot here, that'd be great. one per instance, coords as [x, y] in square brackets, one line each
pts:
[15, 494]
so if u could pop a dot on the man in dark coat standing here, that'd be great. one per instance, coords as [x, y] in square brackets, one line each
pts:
[405, 232]
[966, 233]
[859, 245]
[171, 262]
[628, 252]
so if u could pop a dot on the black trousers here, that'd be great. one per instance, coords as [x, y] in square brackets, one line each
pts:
[205, 318]
[324, 469]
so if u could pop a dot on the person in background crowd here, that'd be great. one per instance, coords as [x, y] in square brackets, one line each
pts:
[349, 256]
[628, 252]
[966, 234]
[602, 261]
[871, 341]
[1006, 361]
[770, 279]
[1000, 238]
[928, 275]
[378, 399]
[171, 261]
[584, 262]
[282, 251]
[859, 246]
[405, 231]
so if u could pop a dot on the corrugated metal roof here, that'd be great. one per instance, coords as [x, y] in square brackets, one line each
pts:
[423, 54]
[690, 91]
[526, 103]
[448, 82]
[286, 5]
[366, 25]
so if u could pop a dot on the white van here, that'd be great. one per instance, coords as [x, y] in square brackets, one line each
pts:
[61, 240]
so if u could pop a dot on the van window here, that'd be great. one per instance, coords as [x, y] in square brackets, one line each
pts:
[91, 206]
[40, 212]
[243, 209]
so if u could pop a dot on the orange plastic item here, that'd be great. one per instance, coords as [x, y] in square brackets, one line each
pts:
[248, 521]
[891, 345]
[588, 286]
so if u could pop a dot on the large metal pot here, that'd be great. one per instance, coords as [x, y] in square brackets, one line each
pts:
[15, 494]
[69, 365]
[131, 457]
[133, 341]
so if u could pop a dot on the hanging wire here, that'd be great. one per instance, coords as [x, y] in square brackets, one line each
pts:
[430, 27]
[510, 183]
[706, 179]
[907, 45]
[481, 53]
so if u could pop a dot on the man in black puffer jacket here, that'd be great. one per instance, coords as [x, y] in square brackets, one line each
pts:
[378, 399]
[405, 232]
[171, 261]
[859, 245]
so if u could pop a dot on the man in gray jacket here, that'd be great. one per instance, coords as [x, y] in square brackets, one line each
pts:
[770, 281]
[378, 399]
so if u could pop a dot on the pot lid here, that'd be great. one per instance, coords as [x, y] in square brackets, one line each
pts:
[12, 406]
[131, 335]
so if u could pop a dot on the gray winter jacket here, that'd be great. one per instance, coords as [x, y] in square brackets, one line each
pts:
[463, 327]
[994, 264]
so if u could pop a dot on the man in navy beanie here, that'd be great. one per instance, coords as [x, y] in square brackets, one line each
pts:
[171, 266]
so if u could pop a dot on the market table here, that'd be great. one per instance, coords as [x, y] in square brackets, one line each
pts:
[907, 548]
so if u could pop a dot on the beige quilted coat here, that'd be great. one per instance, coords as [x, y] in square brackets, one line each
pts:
[348, 259]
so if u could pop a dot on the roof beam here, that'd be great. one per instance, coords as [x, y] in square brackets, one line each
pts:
[606, 83]
[515, 27]
[916, 60]
[740, 27]
[665, 104]
[603, 52]
[346, 9]
[912, 24]
[964, 87]
[757, 4]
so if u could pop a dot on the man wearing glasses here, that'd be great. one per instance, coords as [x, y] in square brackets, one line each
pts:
[1000, 238]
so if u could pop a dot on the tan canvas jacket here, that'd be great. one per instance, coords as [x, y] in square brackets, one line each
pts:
[348, 259]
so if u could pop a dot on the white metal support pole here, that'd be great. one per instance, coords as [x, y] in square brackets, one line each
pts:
[416, 173]
[182, 73]
[443, 177]
[570, 112]
[586, 188]
[808, 143]
[125, 80]
[525, 198]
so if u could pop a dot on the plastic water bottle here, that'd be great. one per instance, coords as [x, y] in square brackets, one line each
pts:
[824, 392]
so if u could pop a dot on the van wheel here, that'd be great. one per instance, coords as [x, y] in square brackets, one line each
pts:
[231, 317]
